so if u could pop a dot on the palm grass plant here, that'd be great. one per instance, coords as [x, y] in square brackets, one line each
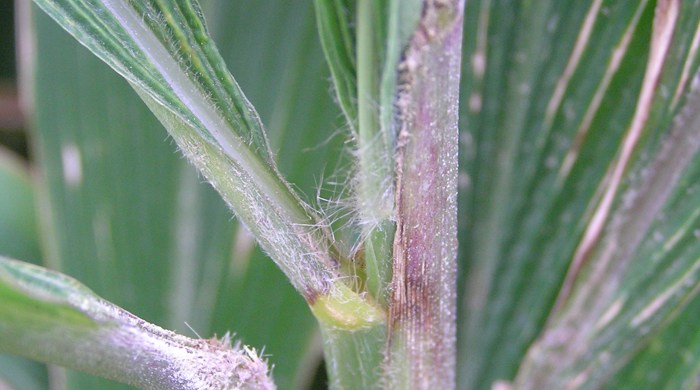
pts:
[457, 194]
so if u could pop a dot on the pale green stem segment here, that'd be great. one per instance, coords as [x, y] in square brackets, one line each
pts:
[354, 334]
[163, 49]
[377, 257]
[50, 317]
[356, 356]
[365, 73]
[422, 340]
[354, 359]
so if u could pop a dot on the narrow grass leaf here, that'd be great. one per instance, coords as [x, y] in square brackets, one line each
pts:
[338, 39]
[618, 302]
[288, 83]
[18, 219]
[211, 277]
[50, 317]
[165, 52]
[562, 99]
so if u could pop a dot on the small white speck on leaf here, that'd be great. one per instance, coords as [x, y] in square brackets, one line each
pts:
[72, 164]
[479, 64]
[475, 102]
[501, 385]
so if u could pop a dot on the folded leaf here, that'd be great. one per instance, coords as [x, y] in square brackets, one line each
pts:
[50, 317]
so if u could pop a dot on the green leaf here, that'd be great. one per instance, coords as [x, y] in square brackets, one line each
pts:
[178, 257]
[287, 82]
[18, 373]
[338, 39]
[644, 270]
[670, 358]
[547, 114]
[165, 52]
[520, 220]
[18, 229]
[18, 238]
[50, 317]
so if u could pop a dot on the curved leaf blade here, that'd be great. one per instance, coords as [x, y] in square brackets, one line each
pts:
[198, 101]
[338, 40]
[617, 303]
[50, 317]
[520, 219]
[209, 273]
[534, 182]
[651, 281]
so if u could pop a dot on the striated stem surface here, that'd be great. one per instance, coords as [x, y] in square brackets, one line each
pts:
[421, 346]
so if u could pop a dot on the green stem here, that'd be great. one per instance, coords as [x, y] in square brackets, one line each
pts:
[354, 358]
[383, 31]
[354, 335]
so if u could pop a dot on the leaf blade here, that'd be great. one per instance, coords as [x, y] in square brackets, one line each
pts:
[123, 153]
[577, 107]
[19, 239]
[616, 313]
[243, 171]
[42, 307]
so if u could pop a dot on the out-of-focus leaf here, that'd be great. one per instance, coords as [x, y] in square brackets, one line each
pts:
[7, 55]
[670, 359]
[545, 114]
[141, 228]
[644, 269]
[641, 276]
[18, 230]
[18, 238]
[18, 373]
[521, 216]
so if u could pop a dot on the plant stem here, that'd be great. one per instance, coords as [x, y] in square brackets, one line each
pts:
[422, 339]
[354, 359]
[354, 333]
